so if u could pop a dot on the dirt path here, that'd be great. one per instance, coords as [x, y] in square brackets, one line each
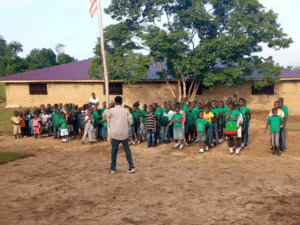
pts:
[71, 184]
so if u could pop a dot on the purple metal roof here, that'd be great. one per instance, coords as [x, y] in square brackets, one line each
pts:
[79, 71]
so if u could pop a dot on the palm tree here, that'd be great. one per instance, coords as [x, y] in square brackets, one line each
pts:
[16, 47]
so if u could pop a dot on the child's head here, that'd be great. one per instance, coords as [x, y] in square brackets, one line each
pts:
[199, 105]
[194, 104]
[155, 106]
[25, 113]
[48, 106]
[177, 109]
[226, 102]
[60, 105]
[70, 106]
[95, 107]
[189, 104]
[207, 108]
[231, 106]
[28, 111]
[173, 106]
[145, 107]
[241, 102]
[63, 115]
[200, 114]
[74, 113]
[21, 114]
[55, 106]
[235, 97]
[274, 111]
[190, 108]
[216, 103]
[35, 116]
[280, 103]
[57, 111]
[104, 104]
[134, 107]
[67, 111]
[165, 104]
[150, 108]
[167, 109]
[80, 109]
[89, 112]
[229, 100]
[280, 99]
[276, 104]
[42, 106]
[213, 104]
[76, 107]
[169, 102]
[237, 107]
[221, 104]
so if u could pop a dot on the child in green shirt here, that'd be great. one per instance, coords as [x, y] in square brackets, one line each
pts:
[201, 131]
[275, 121]
[178, 133]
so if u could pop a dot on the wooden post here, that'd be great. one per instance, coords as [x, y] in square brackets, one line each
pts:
[104, 66]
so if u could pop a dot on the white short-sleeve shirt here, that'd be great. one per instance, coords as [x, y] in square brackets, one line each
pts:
[96, 100]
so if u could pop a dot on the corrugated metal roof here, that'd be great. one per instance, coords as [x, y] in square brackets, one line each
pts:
[79, 71]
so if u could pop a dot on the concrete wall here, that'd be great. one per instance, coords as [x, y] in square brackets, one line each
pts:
[79, 93]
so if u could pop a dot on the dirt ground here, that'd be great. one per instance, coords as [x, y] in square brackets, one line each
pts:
[71, 184]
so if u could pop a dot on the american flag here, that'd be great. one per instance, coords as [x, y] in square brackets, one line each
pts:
[93, 7]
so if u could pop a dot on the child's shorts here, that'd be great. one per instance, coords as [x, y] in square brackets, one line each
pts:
[275, 139]
[201, 138]
[104, 132]
[130, 131]
[16, 129]
[36, 130]
[45, 130]
[178, 133]
[64, 132]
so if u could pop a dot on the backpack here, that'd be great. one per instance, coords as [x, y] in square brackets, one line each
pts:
[164, 121]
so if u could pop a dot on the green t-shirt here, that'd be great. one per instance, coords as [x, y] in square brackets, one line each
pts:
[185, 109]
[274, 123]
[163, 109]
[222, 110]
[64, 123]
[96, 116]
[157, 112]
[135, 116]
[144, 113]
[285, 110]
[215, 111]
[71, 110]
[236, 103]
[164, 121]
[190, 119]
[177, 116]
[245, 110]
[195, 112]
[200, 124]
[234, 113]
[225, 108]
[56, 118]
[102, 110]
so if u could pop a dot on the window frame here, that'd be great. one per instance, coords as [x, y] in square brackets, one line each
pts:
[36, 92]
[113, 88]
[264, 90]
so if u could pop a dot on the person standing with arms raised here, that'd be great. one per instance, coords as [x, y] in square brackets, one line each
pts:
[120, 120]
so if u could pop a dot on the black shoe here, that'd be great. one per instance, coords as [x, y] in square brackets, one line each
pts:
[278, 153]
[246, 144]
[274, 153]
[149, 146]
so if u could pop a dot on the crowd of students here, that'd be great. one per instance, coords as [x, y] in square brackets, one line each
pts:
[207, 123]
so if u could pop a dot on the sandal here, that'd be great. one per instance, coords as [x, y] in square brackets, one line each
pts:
[279, 153]
[274, 153]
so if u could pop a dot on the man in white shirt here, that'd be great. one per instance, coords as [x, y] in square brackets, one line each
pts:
[93, 100]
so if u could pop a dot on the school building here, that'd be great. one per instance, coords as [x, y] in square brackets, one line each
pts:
[69, 83]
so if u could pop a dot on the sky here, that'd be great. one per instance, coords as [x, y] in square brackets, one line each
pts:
[44, 24]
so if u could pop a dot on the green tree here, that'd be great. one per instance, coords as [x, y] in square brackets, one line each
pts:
[207, 41]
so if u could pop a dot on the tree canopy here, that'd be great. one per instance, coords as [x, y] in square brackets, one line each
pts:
[11, 63]
[205, 41]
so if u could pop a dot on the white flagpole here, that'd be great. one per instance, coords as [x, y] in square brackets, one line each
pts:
[104, 64]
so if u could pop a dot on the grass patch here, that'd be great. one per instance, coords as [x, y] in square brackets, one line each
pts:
[5, 124]
[12, 156]
[2, 91]
[293, 126]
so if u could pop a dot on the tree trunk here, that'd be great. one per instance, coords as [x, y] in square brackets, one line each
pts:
[191, 87]
[184, 84]
[196, 86]
[168, 83]
[179, 91]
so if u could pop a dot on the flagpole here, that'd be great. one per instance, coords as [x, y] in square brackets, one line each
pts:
[104, 66]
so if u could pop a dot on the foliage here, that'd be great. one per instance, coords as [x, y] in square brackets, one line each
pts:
[11, 63]
[229, 34]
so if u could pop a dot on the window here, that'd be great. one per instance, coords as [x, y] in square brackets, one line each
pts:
[266, 90]
[199, 91]
[114, 89]
[38, 89]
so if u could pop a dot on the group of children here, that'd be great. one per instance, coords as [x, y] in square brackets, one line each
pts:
[207, 123]
[184, 122]
[67, 122]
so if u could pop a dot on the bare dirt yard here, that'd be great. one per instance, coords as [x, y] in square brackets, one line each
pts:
[71, 184]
